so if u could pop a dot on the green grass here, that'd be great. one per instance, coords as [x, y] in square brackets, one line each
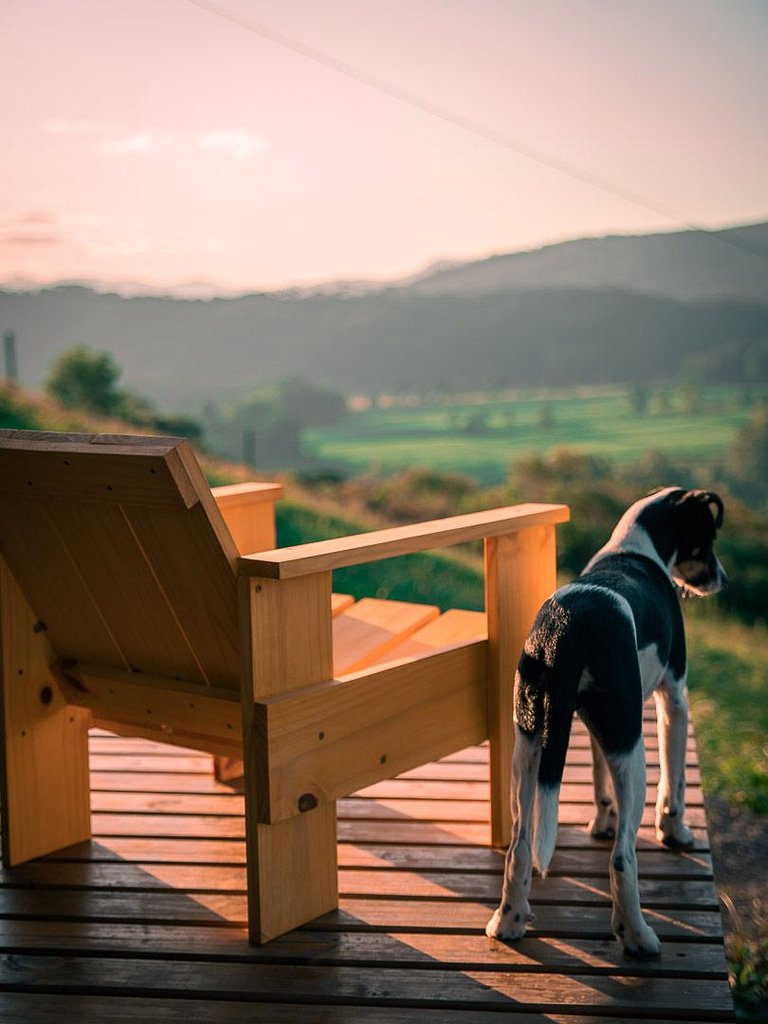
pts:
[728, 684]
[601, 421]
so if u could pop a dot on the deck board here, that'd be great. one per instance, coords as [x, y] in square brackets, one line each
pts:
[146, 922]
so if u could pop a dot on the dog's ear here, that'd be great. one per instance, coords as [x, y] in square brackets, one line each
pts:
[708, 498]
[714, 499]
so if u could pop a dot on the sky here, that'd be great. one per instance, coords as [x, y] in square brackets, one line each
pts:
[162, 143]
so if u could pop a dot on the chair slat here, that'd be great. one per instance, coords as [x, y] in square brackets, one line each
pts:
[53, 585]
[200, 581]
[122, 582]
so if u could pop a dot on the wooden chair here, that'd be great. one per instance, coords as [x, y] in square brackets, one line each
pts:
[125, 600]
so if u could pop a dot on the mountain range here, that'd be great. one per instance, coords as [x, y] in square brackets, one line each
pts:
[591, 310]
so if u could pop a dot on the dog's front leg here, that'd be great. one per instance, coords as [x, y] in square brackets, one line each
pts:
[628, 923]
[672, 717]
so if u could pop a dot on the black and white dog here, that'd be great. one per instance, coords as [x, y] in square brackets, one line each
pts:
[600, 646]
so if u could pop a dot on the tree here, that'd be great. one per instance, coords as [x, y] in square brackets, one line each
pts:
[83, 379]
[639, 396]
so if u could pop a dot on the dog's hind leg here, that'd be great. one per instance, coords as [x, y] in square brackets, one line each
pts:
[603, 825]
[513, 913]
[672, 717]
[629, 926]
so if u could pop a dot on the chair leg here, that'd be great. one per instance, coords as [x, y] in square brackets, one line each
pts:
[292, 866]
[520, 573]
[292, 872]
[44, 782]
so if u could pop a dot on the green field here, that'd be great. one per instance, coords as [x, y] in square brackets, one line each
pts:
[482, 435]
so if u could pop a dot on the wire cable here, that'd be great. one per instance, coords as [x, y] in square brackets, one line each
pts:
[468, 124]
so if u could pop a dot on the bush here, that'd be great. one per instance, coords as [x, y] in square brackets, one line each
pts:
[84, 379]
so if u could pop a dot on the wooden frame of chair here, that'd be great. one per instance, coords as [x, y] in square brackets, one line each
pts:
[95, 529]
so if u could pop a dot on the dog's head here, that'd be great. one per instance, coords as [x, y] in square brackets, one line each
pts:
[682, 526]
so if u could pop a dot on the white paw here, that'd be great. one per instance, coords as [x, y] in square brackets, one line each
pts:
[507, 923]
[672, 831]
[639, 941]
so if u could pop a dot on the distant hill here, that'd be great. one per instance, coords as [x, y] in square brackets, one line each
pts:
[683, 265]
[564, 314]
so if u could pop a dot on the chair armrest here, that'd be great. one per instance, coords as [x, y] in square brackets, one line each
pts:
[320, 556]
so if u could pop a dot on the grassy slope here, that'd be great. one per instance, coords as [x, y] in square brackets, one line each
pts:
[728, 674]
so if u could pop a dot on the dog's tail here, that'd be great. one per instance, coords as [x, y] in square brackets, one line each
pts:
[546, 685]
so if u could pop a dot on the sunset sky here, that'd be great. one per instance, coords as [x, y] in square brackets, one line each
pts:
[156, 141]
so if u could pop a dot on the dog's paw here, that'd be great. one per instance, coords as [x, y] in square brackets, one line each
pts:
[603, 825]
[673, 832]
[508, 924]
[639, 942]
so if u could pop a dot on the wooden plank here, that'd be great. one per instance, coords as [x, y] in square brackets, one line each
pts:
[398, 788]
[454, 627]
[43, 743]
[165, 762]
[105, 468]
[570, 793]
[70, 614]
[413, 832]
[437, 810]
[544, 955]
[586, 862]
[423, 882]
[87, 1008]
[575, 774]
[101, 543]
[90, 1009]
[205, 718]
[194, 565]
[324, 556]
[579, 753]
[356, 913]
[415, 987]
[339, 602]
[372, 628]
[332, 738]
[351, 808]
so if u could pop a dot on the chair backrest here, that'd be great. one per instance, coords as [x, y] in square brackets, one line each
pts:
[122, 553]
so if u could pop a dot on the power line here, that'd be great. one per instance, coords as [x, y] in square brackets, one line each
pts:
[437, 110]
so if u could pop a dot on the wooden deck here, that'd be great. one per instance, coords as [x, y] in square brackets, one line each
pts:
[146, 923]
